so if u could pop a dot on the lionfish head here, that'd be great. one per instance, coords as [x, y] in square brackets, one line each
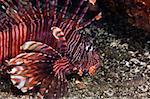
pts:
[92, 69]
[90, 62]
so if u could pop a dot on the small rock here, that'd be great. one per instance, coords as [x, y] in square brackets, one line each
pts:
[125, 45]
[87, 30]
[148, 66]
[131, 53]
[139, 55]
[143, 63]
[148, 56]
[146, 53]
[136, 70]
[143, 88]
[80, 84]
[148, 42]
[134, 60]
[105, 33]
[109, 92]
[127, 64]
[114, 44]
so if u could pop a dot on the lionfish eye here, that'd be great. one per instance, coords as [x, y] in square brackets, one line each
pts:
[85, 73]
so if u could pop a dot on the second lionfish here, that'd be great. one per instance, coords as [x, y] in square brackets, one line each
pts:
[40, 44]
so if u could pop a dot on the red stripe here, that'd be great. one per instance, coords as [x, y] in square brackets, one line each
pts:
[54, 8]
[64, 11]
[5, 48]
[77, 9]
[86, 24]
[42, 28]
[45, 8]
[20, 36]
[1, 47]
[33, 30]
[83, 14]
[31, 11]
[46, 28]
[2, 54]
[49, 33]
[10, 42]
[7, 43]
[24, 32]
[38, 8]
[13, 41]
[17, 39]
[51, 38]
[38, 30]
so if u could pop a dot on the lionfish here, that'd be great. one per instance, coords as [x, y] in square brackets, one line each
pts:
[40, 44]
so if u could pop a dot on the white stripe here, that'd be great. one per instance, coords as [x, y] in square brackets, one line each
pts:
[21, 83]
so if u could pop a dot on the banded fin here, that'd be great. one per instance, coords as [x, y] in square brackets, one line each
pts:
[53, 88]
[29, 69]
[27, 20]
[26, 74]
[39, 47]
[62, 67]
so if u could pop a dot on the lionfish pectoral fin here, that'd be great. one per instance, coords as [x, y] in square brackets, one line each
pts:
[62, 67]
[30, 72]
[39, 47]
[53, 88]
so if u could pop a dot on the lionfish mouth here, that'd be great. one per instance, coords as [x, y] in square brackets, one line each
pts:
[37, 56]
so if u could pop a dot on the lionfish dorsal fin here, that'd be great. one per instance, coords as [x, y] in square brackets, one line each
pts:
[27, 20]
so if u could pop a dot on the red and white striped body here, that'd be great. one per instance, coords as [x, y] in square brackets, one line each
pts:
[42, 44]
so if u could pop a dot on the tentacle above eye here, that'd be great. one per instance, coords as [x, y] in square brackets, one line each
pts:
[60, 36]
